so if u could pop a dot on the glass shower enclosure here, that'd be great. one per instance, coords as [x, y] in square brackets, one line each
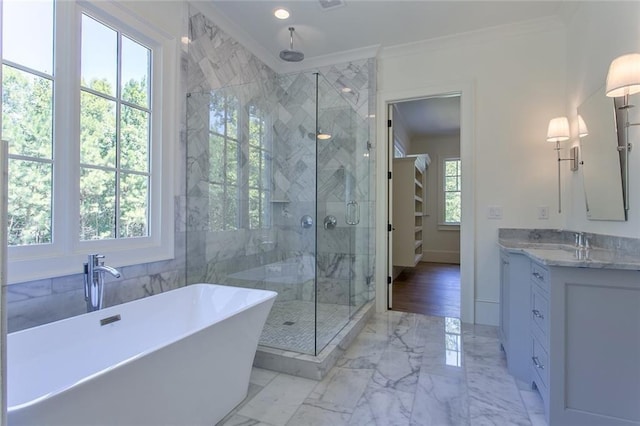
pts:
[278, 198]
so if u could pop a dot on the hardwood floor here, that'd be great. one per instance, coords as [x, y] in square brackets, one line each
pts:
[429, 289]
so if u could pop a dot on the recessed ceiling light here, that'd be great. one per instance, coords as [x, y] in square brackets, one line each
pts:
[281, 13]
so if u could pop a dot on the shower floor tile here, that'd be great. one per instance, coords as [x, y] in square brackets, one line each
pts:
[290, 325]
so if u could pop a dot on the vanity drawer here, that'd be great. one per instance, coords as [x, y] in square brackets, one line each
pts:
[540, 367]
[539, 313]
[540, 275]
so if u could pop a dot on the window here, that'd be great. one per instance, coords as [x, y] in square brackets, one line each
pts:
[259, 170]
[236, 199]
[223, 163]
[27, 111]
[82, 108]
[114, 133]
[452, 191]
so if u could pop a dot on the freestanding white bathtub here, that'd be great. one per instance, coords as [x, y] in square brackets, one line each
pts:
[177, 358]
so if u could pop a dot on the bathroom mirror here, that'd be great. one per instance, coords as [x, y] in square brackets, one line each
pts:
[601, 169]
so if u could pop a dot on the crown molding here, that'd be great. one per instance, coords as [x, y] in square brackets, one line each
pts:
[316, 62]
[484, 35]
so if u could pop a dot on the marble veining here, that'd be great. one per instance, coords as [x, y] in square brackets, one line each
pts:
[557, 248]
[380, 381]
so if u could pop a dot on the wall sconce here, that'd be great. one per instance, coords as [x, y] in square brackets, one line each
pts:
[623, 80]
[557, 132]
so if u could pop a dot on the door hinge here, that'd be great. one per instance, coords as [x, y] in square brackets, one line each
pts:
[389, 175]
[388, 280]
[388, 123]
[389, 227]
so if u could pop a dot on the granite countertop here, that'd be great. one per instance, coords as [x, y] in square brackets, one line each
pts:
[556, 248]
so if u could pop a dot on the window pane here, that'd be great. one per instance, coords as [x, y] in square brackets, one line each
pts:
[254, 209]
[232, 163]
[255, 130]
[27, 113]
[97, 204]
[451, 183]
[134, 133]
[97, 130]
[216, 203]
[266, 168]
[452, 207]
[265, 220]
[135, 72]
[232, 118]
[254, 167]
[217, 114]
[134, 197]
[231, 209]
[99, 60]
[216, 159]
[29, 206]
[451, 167]
[27, 33]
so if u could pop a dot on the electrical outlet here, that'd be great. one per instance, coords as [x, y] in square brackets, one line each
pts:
[543, 212]
[495, 212]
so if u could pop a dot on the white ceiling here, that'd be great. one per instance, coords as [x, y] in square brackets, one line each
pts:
[361, 27]
[431, 116]
[361, 24]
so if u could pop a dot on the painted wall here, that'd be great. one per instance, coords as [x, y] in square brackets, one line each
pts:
[400, 133]
[597, 33]
[518, 73]
[438, 244]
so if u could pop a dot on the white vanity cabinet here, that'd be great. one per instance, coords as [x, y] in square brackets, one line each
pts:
[593, 347]
[582, 338]
[514, 313]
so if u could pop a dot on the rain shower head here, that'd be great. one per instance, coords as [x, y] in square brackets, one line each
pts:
[291, 55]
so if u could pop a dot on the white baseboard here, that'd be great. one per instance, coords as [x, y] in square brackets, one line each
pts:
[487, 312]
[441, 256]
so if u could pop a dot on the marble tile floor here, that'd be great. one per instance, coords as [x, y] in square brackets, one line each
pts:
[403, 369]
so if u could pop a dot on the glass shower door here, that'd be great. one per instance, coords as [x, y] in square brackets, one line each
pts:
[342, 187]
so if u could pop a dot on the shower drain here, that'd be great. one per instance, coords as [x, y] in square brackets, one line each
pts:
[288, 323]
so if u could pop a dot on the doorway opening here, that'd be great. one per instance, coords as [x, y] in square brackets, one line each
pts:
[425, 205]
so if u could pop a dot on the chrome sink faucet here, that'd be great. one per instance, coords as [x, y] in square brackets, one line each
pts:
[94, 271]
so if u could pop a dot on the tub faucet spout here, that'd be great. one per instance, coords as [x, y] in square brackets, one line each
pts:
[94, 271]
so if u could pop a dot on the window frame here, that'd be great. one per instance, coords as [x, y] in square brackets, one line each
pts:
[67, 253]
[264, 167]
[443, 225]
[229, 190]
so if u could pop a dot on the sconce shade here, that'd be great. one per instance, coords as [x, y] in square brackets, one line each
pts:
[558, 129]
[624, 76]
[582, 127]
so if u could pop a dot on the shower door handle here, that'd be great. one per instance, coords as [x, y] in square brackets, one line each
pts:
[352, 213]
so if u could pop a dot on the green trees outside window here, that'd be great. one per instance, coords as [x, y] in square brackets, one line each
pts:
[452, 191]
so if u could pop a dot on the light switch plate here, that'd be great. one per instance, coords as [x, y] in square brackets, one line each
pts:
[495, 212]
[543, 212]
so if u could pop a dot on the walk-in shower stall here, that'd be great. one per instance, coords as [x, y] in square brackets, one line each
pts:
[278, 198]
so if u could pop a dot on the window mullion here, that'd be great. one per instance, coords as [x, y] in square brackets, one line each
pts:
[118, 136]
[66, 125]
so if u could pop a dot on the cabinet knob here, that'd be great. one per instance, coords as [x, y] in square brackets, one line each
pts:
[538, 276]
[537, 314]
